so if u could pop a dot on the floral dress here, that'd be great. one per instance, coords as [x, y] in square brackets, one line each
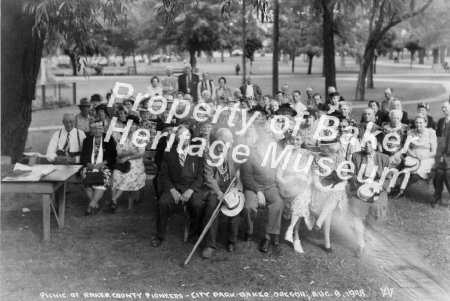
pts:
[402, 131]
[135, 178]
[295, 187]
[319, 198]
[422, 148]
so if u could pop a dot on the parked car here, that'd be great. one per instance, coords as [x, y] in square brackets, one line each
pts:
[236, 52]
[165, 58]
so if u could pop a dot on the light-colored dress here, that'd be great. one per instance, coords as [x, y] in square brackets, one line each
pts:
[426, 147]
[295, 187]
[402, 131]
[320, 198]
[135, 178]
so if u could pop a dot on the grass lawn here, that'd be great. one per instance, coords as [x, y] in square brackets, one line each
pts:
[112, 253]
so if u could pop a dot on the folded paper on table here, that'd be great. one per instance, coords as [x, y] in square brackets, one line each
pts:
[25, 173]
[32, 154]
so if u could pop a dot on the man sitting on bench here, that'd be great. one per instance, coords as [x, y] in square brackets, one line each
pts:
[65, 145]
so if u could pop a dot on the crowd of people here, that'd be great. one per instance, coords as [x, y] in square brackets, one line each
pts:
[296, 192]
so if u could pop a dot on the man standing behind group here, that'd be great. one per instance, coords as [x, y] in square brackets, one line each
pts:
[65, 145]
[188, 81]
[250, 90]
[170, 82]
[83, 119]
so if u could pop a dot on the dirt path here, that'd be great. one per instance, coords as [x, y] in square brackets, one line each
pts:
[401, 263]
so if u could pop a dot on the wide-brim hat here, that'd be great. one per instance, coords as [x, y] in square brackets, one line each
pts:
[286, 110]
[411, 164]
[257, 109]
[328, 142]
[84, 102]
[367, 191]
[237, 199]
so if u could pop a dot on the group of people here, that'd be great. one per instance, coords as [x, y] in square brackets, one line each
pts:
[301, 190]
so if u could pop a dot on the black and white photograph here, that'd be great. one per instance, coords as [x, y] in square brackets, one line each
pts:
[225, 150]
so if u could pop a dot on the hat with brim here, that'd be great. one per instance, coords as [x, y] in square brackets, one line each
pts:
[84, 102]
[328, 142]
[286, 111]
[257, 109]
[411, 164]
[235, 200]
[368, 192]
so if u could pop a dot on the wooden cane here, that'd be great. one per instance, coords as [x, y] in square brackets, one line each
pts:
[211, 220]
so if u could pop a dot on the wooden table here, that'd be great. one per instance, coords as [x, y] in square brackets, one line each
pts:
[52, 187]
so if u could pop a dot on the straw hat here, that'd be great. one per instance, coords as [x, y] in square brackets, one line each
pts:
[233, 203]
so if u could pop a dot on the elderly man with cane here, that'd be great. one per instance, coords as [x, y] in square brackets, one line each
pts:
[181, 181]
[219, 170]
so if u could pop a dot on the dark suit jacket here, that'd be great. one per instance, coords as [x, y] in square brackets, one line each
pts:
[109, 152]
[173, 175]
[182, 85]
[363, 126]
[256, 91]
[256, 177]
[380, 160]
[440, 129]
[214, 179]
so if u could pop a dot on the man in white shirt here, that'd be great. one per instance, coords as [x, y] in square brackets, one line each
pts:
[170, 82]
[65, 145]
[298, 106]
[250, 90]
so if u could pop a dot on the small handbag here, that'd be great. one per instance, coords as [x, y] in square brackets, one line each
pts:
[93, 178]
[123, 167]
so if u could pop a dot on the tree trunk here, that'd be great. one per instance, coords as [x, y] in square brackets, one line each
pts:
[375, 58]
[342, 53]
[412, 58]
[442, 54]
[370, 73]
[328, 42]
[391, 54]
[73, 63]
[276, 13]
[134, 63]
[436, 55]
[422, 52]
[310, 61]
[364, 68]
[293, 63]
[193, 59]
[244, 41]
[21, 57]
[222, 59]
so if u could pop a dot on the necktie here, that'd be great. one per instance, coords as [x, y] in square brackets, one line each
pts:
[369, 167]
[66, 147]
[226, 172]
[182, 158]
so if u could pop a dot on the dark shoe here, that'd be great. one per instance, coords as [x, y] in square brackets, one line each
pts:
[156, 242]
[327, 250]
[208, 252]
[435, 202]
[358, 252]
[399, 195]
[264, 245]
[316, 227]
[92, 210]
[276, 240]
[231, 247]
[113, 208]
[248, 237]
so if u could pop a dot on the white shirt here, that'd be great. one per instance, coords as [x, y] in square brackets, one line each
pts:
[152, 91]
[249, 93]
[299, 107]
[59, 140]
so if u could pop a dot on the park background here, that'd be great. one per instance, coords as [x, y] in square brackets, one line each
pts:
[113, 253]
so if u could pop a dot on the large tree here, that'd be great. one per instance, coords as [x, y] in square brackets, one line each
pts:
[382, 15]
[25, 24]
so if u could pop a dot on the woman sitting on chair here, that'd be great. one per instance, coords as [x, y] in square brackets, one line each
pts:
[98, 158]
[422, 147]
